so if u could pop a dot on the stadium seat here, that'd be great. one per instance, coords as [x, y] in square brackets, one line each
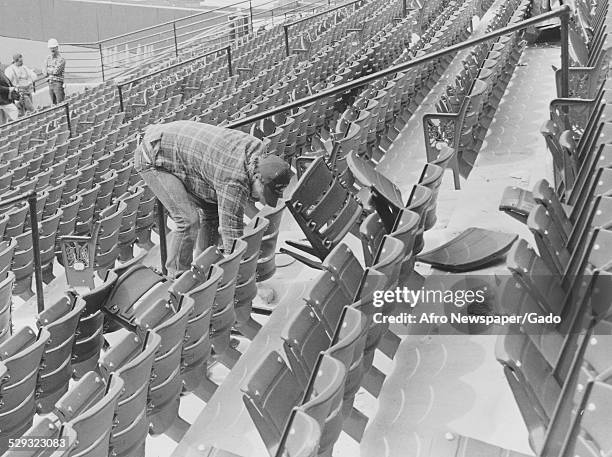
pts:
[197, 345]
[63, 435]
[21, 355]
[324, 210]
[270, 393]
[323, 400]
[165, 387]
[89, 334]
[7, 248]
[23, 265]
[246, 286]
[89, 408]
[266, 265]
[6, 303]
[348, 346]
[132, 359]
[304, 337]
[60, 319]
[301, 436]
[587, 434]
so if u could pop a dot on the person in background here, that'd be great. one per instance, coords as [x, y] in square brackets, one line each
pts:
[207, 176]
[23, 79]
[54, 68]
[8, 95]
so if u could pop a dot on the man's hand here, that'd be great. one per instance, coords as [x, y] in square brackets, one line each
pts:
[250, 209]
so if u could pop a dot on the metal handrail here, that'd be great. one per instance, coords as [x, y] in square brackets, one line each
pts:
[151, 27]
[227, 49]
[31, 198]
[64, 106]
[562, 12]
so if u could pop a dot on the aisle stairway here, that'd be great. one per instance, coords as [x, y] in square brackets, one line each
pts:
[464, 391]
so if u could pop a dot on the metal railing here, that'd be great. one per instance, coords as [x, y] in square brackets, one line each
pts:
[106, 58]
[562, 12]
[121, 85]
[65, 106]
[31, 198]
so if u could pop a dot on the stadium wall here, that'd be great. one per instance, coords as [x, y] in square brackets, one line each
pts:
[78, 21]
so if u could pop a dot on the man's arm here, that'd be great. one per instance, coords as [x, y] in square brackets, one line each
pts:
[45, 67]
[6, 89]
[9, 72]
[231, 201]
[31, 74]
[61, 66]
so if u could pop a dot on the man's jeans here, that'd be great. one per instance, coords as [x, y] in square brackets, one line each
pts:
[25, 105]
[8, 113]
[56, 91]
[187, 213]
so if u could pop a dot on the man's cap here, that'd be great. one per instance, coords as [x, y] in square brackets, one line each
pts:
[17, 56]
[275, 176]
[52, 43]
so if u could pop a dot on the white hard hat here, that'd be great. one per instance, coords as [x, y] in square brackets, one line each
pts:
[52, 43]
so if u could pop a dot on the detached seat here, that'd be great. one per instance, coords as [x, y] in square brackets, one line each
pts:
[324, 209]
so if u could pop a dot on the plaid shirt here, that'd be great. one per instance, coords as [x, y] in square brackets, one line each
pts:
[54, 68]
[215, 164]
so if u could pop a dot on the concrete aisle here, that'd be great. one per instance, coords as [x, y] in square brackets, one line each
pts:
[452, 383]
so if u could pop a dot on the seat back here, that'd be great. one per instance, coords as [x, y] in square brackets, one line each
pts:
[63, 435]
[389, 259]
[7, 249]
[326, 298]
[323, 399]
[304, 337]
[365, 175]
[270, 393]
[21, 355]
[253, 235]
[266, 265]
[345, 267]
[165, 387]
[197, 344]
[6, 289]
[89, 408]
[60, 320]
[132, 359]
[89, 340]
[372, 230]
[532, 380]
[589, 432]
[301, 436]
[230, 264]
[310, 187]
[348, 346]
[549, 239]
[323, 208]
[368, 303]
[206, 259]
